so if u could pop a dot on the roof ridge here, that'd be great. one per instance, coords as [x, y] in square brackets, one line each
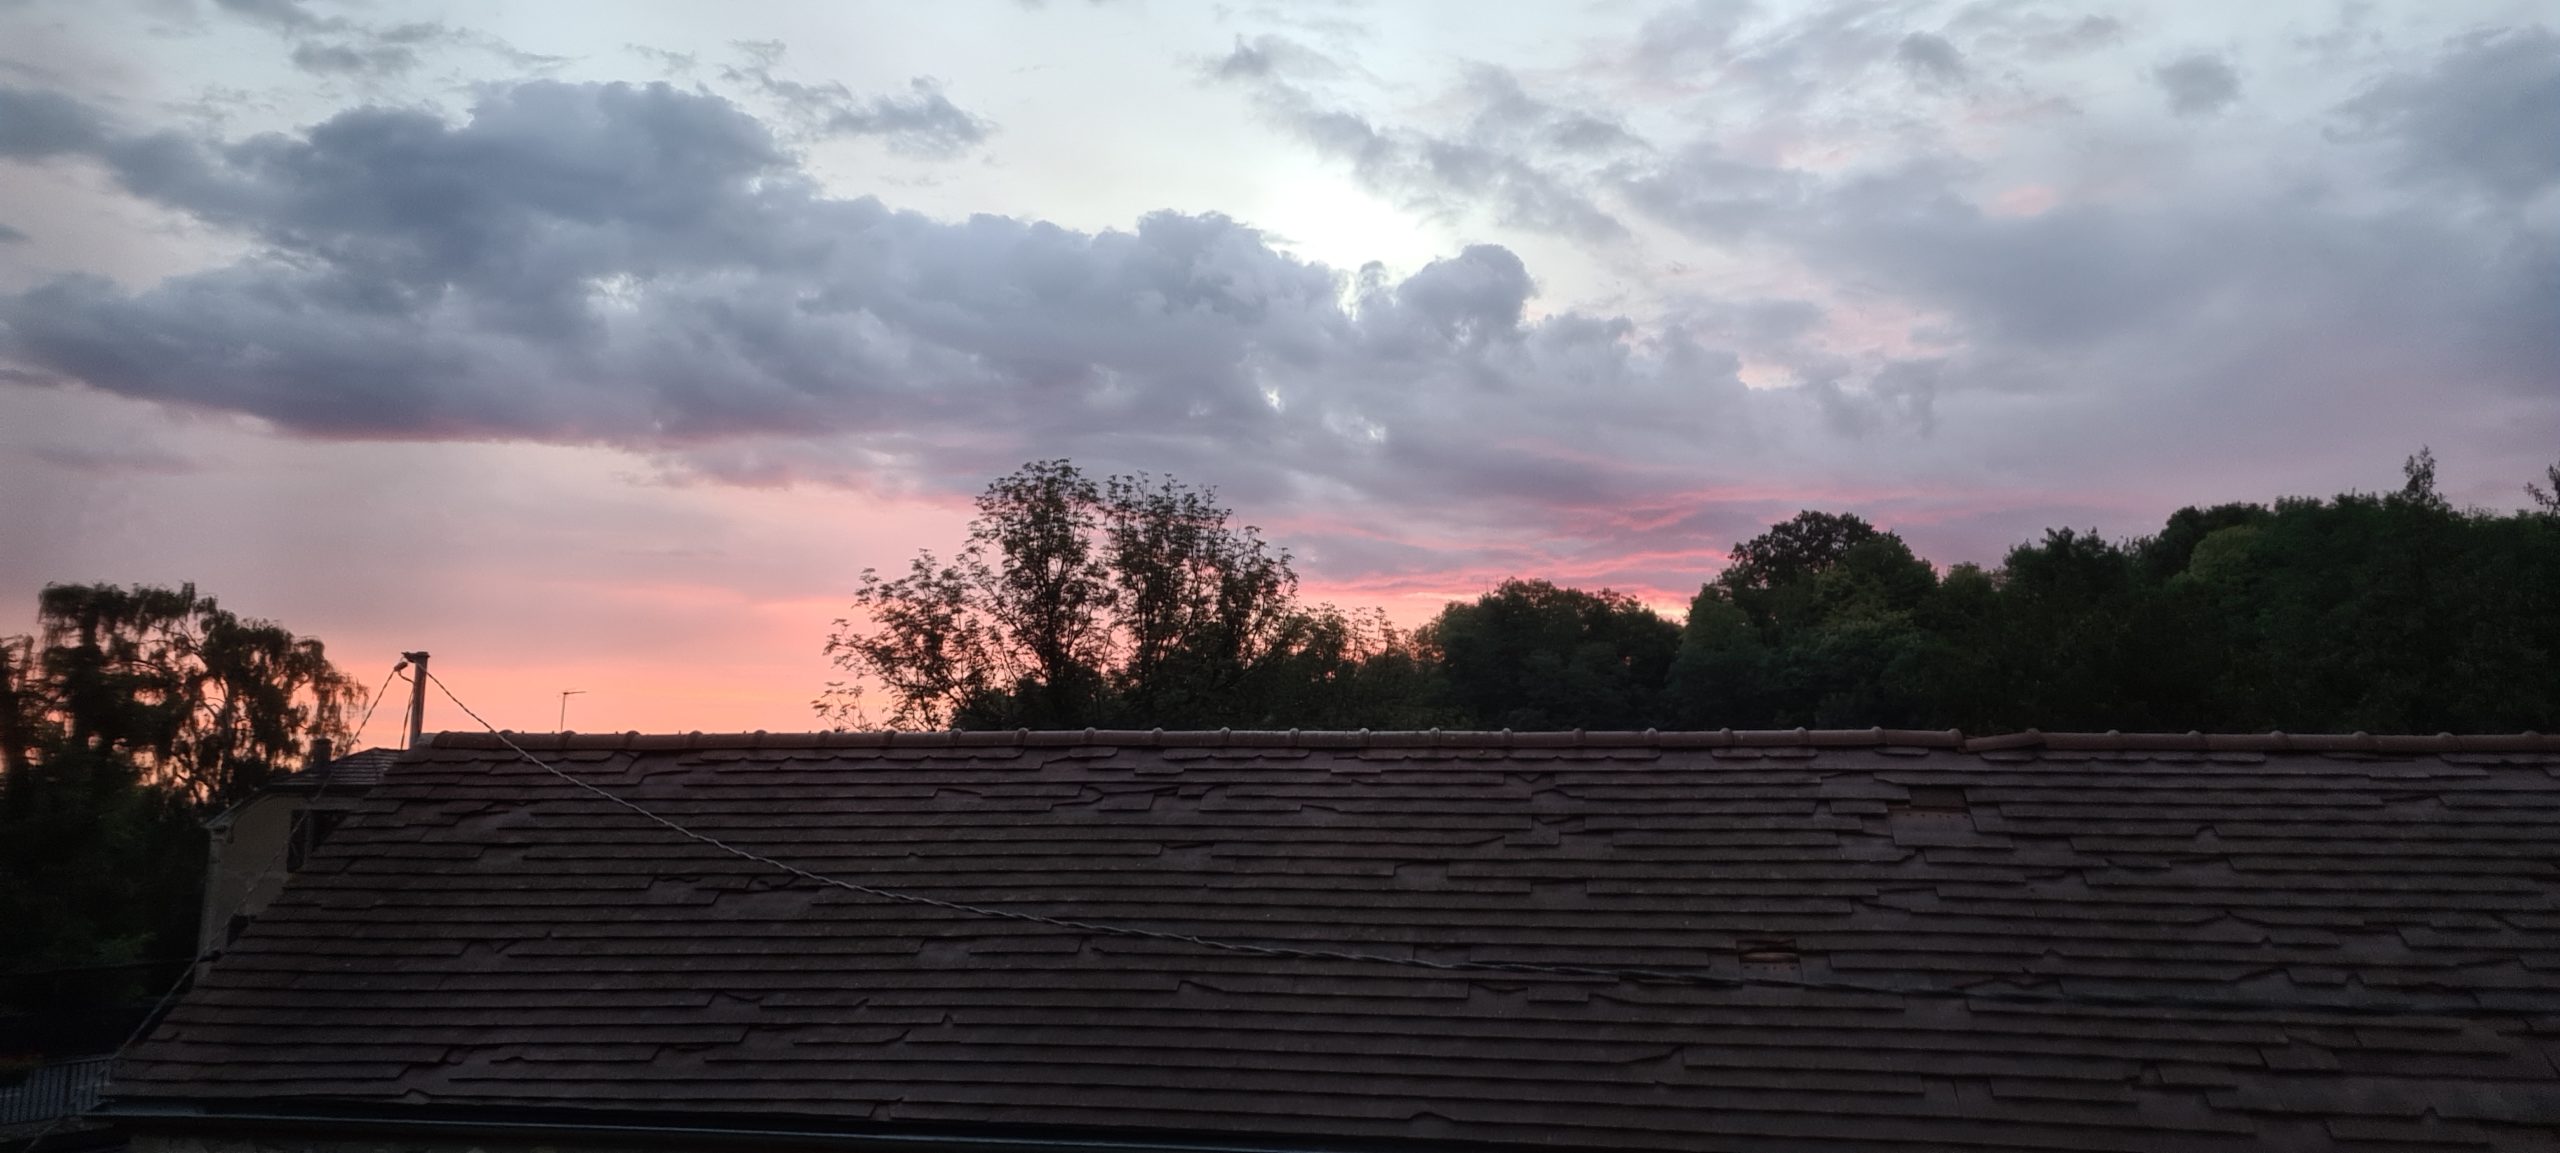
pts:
[1951, 739]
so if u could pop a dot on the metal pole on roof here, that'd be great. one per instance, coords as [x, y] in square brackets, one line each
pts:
[565, 694]
[417, 696]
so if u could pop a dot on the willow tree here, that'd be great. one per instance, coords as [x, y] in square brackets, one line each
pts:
[198, 699]
[125, 718]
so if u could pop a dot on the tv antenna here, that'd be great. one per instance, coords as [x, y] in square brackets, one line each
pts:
[565, 694]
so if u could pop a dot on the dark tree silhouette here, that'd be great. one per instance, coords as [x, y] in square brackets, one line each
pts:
[1132, 601]
[1531, 655]
[127, 718]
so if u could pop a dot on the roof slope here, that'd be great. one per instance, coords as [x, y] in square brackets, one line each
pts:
[483, 933]
[357, 770]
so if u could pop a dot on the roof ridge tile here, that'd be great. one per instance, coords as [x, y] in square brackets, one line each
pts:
[1949, 739]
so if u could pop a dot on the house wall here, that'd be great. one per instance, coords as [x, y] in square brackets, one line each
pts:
[246, 865]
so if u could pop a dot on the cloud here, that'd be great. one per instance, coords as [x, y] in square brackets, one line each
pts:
[374, 60]
[922, 122]
[1930, 58]
[10, 235]
[1517, 158]
[1924, 315]
[1471, 299]
[2033, 32]
[281, 15]
[2197, 273]
[36, 124]
[113, 460]
[1264, 57]
[1685, 40]
[647, 267]
[2488, 112]
[670, 63]
[2198, 85]
[337, 46]
[1707, 192]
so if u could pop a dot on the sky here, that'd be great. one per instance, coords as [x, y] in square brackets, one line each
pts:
[601, 346]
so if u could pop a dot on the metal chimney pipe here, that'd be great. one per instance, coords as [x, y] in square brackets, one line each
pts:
[417, 696]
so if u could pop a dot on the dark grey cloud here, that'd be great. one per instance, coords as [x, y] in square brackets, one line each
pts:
[1901, 395]
[35, 124]
[1257, 59]
[2033, 31]
[920, 122]
[2095, 288]
[281, 15]
[1473, 298]
[2209, 308]
[2198, 85]
[10, 235]
[1707, 192]
[2487, 111]
[2180, 293]
[1516, 157]
[651, 267]
[339, 46]
[923, 121]
[1505, 112]
[648, 267]
[353, 60]
[1930, 58]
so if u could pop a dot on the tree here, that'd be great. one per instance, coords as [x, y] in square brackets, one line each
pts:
[1198, 604]
[2418, 475]
[1132, 601]
[1810, 624]
[2066, 636]
[2165, 554]
[1721, 675]
[2545, 500]
[1763, 571]
[1048, 591]
[197, 698]
[130, 715]
[1532, 655]
[19, 698]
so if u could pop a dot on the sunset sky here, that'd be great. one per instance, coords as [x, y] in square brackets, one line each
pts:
[600, 346]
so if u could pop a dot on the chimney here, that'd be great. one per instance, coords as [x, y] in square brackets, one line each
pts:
[323, 750]
[417, 696]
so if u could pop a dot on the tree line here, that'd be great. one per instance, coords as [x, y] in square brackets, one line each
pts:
[1139, 602]
[129, 717]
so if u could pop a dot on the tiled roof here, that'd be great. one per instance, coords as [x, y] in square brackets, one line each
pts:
[357, 770]
[2179, 942]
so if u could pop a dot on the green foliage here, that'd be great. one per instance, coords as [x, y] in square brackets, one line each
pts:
[1130, 602]
[1530, 655]
[2391, 613]
[1133, 602]
[1771, 575]
[1815, 623]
